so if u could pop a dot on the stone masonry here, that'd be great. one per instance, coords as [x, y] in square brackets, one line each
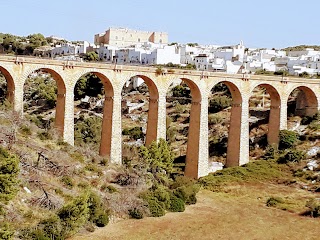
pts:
[67, 73]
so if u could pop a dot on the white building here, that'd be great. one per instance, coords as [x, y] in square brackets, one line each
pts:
[70, 49]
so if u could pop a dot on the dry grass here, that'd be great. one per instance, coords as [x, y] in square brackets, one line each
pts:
[239, 214]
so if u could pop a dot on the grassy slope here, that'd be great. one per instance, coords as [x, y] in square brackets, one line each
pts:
[241, 215]
[236, 210]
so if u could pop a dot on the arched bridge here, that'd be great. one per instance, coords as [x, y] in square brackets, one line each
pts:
[66, 73]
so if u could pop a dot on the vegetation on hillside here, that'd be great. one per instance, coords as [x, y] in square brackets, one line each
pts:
[301, 48]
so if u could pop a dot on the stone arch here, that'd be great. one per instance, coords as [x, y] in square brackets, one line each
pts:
[10, 83]
[152, 122]
[307, 102]
[274, 114]
[235, 127]
[106, 130]
[193, 142]
[108, 86]
[61, 95]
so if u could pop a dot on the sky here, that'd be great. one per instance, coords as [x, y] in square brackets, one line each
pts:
[264, 23]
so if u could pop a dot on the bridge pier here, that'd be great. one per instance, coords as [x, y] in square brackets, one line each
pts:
[238, 139]
[116, 132]
[153, 119]
[197, 147]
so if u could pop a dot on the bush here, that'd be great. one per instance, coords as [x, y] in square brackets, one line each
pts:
[314, 208]
[157, 159]
[67, 181]
[218, 103]
[88, 130]
[25, 130]
[156, 207]
[176, 204]
[6, 233]
[292, 156]
[162, 194]
[287, 139]
[135, 213]
[101, 218]
[44, 136]
[97, 213]
[187, 194]
[47, 229]
[273, 201]
[74, 214]
[134, 133]
[215, 119]
[271, 152]
[9, 171]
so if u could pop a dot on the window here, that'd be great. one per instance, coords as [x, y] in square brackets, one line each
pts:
[138, 39]
[160, 40]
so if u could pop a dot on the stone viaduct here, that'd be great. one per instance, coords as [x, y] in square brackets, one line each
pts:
[66, 73]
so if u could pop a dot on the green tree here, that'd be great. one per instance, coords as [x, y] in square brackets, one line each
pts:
[91, 57]
[287, 139]
[9, 170]
[158, 159]
[88, 85]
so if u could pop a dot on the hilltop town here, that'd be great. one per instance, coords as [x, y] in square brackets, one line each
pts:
[126, 46]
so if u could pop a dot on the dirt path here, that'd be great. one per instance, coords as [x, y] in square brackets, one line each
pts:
[215, 216]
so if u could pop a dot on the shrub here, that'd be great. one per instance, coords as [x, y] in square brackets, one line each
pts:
[101, 218]
[74, 214]
[176, 204]
[25, 130]
[97, 213]
[111, 189]
[271, 152]
[44, 135]
[135, 213]
[218, 103]
[157, 159]
[6, 233]
[215, 119]
[181, 91]
[156, 207]
[47, 229]
[67, 181]
[314, 208]
[134, 133]
[187, 194]
[171, 134]
[88, 130]
[273, 201]
[287, 139]
[292, 156]
[9, 170]
[162, 194]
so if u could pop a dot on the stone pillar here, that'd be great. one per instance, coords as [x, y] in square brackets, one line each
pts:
[197, 147]
[116, 136]
[162, 116]
[274, 125]
[283, 113]
[238, 139]
[68, 121]
[18, 98]
[152, 125]
[106, 132]
[60, 113]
